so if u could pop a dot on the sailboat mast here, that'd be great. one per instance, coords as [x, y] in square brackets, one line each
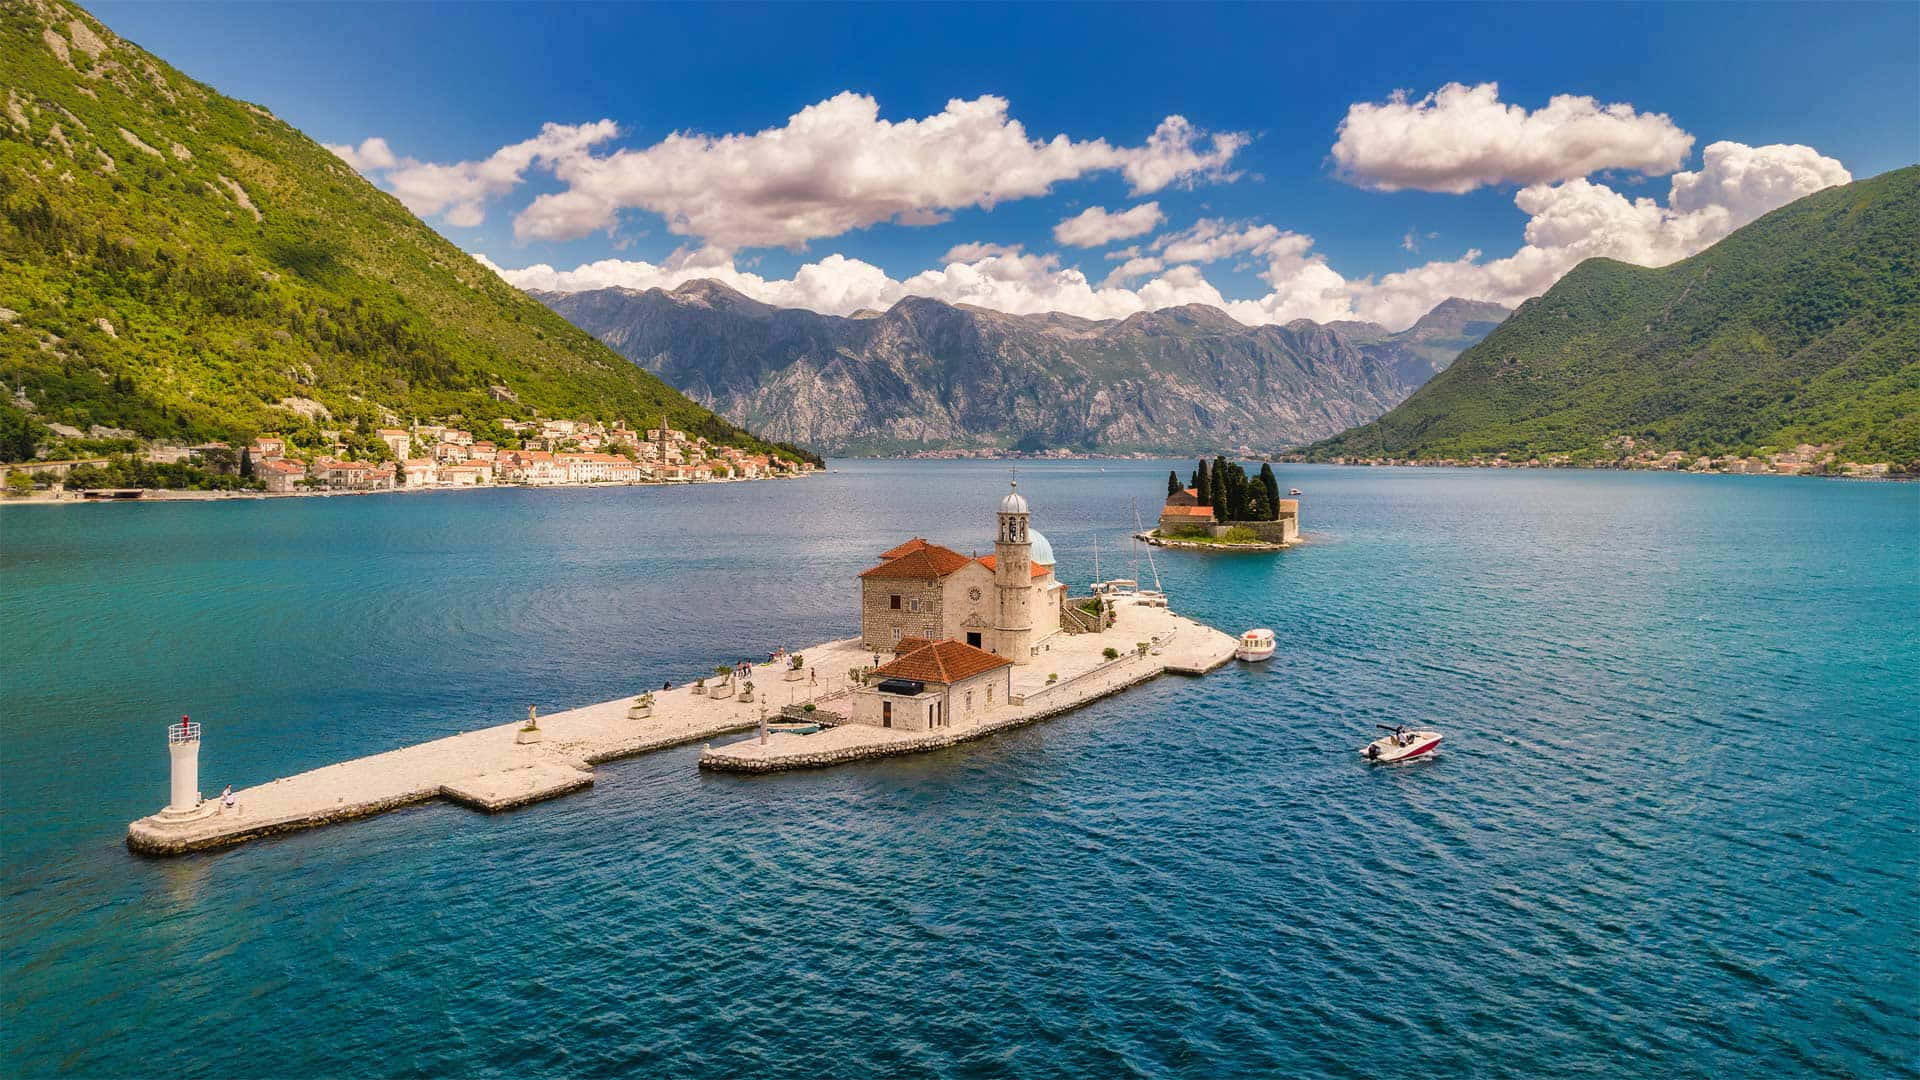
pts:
[1140, 527]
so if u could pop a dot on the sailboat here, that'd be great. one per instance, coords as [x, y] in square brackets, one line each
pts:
[1154, 597]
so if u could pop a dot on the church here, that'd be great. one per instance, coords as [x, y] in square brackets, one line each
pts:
[1007, 603]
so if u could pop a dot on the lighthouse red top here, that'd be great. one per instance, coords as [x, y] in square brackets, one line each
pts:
[184, 731]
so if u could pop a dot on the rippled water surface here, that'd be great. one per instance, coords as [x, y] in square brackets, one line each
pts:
[1672, 832]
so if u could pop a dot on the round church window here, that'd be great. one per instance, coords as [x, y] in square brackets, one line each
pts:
[973, 594]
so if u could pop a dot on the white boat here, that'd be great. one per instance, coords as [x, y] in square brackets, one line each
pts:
[1118, 587]
[1255, 645]
[1400, 744]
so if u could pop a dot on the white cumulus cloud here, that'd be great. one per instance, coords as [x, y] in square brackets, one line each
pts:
[1211, 239]
[1577, 220]
[459, 192]
[1567, 222]
[1095, 226]
[837, 166]
[1459, 138]
[1138, 266]
[371, 156]
[977, 251]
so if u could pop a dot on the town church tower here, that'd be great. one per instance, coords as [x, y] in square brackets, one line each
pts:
[1013, 580]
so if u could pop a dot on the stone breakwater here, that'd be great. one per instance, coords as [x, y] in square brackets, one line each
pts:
[503, 767]
[490, 769]
[1185, 647]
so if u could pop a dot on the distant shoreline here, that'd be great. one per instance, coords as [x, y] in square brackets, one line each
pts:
[159, 495]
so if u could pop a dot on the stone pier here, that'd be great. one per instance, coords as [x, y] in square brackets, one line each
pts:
[491, 769]
[499, 768]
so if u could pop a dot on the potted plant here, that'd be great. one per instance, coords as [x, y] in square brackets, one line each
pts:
[796, 668]
[746, 690]
[1053, 677]
[699, 688]
[642, 707]
[1110, 653]
[723, 684]
[808, 707]
[1140, 648]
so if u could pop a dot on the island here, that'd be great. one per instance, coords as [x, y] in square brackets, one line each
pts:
[1221, 508]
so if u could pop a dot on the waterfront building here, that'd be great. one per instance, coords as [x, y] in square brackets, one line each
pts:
[466, 474]
[931, 685]
[1007, 603]
[280, 475]
[422, 472]
[352, 475]
[399, 440]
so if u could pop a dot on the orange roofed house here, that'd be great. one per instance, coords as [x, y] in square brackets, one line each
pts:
[1006, 604]
[930, 685]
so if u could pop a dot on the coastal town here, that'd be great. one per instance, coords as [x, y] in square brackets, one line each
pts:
[544, 453]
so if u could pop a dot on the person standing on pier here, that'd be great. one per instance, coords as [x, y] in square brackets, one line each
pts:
[226, 797]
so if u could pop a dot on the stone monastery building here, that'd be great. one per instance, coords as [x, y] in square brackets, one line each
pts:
[1007, 604]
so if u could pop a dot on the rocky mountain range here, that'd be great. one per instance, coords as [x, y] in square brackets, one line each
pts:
[930, 375]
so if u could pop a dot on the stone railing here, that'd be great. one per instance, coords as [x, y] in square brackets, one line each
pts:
[1127, 668]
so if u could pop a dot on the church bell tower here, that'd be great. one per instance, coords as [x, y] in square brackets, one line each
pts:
[1013, 580]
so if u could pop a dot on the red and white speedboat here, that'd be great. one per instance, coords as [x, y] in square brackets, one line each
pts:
[1400, 744]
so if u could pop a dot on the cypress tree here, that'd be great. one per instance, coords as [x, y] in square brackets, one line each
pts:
[1173, 482]
[1257, 505]
[1217, 497]
[246, 462]
[1272, 484]
[1203, 484]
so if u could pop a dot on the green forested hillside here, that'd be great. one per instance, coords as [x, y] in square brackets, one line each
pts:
[1802, 327]
[183, 265]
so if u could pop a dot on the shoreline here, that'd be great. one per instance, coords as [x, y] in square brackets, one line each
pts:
[160, 495]
[1544, 467]
[1247, 547]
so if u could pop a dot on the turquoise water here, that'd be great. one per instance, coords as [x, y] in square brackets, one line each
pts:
[1672, 833]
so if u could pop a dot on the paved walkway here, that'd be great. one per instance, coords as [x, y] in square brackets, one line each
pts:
[489, 768]
[1181, 645]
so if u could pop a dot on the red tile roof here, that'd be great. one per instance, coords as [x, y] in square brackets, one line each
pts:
[1034, 570]
[907, 548]
[1187, 511]
[945, 662]
[910, 644]
[930, 563]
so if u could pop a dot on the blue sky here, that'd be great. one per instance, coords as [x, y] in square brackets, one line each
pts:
[1269, 219]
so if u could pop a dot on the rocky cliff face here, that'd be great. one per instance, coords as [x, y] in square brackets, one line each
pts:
[930, 375]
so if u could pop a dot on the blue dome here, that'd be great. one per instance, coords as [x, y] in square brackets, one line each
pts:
[1042, 550]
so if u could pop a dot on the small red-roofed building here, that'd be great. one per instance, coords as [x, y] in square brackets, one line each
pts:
[932, 685]
[280, 475]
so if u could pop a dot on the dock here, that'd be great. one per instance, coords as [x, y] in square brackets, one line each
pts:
[503, 767]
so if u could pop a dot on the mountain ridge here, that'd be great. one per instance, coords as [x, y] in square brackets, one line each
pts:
[1801, 328]
[926, 374]
[184, 266]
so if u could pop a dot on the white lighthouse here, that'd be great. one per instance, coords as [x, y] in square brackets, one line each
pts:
[183, 746]
[1013, 579]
